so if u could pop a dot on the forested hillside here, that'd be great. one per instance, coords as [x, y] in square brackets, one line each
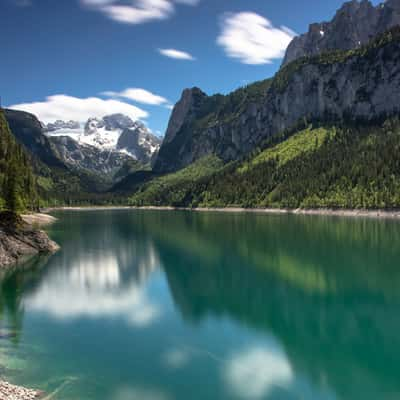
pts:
[339, 166]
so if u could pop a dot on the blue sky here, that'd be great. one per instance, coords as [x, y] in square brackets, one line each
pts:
[80, 58]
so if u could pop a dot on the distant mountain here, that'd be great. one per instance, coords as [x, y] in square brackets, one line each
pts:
[114, 133]
[105, 163]
[57, 125]
[354, 25]
[64, 169]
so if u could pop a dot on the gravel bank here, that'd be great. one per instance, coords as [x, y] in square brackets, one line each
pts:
[12, 392]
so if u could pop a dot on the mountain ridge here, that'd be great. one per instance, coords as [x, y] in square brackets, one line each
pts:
[353, 85]
[114, 133]
[353, 26]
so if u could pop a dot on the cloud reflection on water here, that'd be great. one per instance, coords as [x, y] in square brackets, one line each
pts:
[134, 393]
[98, 284]
[254, 372]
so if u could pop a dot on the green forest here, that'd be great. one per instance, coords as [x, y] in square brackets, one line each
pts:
[18, 183]
[320, 166]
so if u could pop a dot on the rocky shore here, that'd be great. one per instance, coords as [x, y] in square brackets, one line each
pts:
[355, 213]
[12, 392]
[20, 239]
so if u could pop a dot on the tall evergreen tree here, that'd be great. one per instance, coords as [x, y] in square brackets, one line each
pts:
[18, 186]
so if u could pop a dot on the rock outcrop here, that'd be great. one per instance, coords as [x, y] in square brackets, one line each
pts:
[354, 25]
[19, 240]
[183, 114]
[360, 85]
[139, 143]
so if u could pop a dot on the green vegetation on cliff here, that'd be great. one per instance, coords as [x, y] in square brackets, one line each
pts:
[365, 52]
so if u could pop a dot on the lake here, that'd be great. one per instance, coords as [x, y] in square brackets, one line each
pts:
[159, 305]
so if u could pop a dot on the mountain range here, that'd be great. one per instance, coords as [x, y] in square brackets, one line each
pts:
[323, 132]
[115, 133]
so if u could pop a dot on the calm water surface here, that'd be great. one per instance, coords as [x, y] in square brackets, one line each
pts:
[178, 305]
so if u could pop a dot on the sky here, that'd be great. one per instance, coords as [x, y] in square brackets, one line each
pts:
[75, 59]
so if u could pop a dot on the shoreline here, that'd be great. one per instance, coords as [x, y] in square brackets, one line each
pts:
[21, 237]
[348, 213]
[38, 219]
[14, 392]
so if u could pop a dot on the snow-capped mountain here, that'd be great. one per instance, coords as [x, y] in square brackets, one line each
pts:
[62, 125]
[114, 133]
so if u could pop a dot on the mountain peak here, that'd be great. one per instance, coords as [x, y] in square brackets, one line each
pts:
[353, 25]
[190, 100]
[114, 133]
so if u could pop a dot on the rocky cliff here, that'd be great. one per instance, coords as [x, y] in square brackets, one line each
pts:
[29, 132]
[19, 240]
[184, 113]
[354, 25]
[362, 84]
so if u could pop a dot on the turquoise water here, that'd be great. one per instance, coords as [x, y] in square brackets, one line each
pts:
[155, 305]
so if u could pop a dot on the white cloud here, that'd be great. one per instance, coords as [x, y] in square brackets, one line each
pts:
[177, 54]
[136, 11]
[253, 39]
[254, 372]
[23, 3]
[66, 107]
[139, 95]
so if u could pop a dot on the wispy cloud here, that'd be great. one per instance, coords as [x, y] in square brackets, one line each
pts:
[177, 54]
[140, 95]
[23, 3]
[136, 11]
[252, 39]
[66, 107]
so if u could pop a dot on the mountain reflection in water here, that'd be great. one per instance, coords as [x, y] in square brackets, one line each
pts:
[306, 305]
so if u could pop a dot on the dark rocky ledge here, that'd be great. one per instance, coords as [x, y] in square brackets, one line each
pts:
[19, 240]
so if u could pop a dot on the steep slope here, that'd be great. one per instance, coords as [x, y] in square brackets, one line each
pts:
[28, 130]
[201, 125]
[353, 26]
[362, 85]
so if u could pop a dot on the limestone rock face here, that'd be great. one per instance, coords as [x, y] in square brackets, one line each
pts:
[354, 25]
[361, 86]
[184, 112]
